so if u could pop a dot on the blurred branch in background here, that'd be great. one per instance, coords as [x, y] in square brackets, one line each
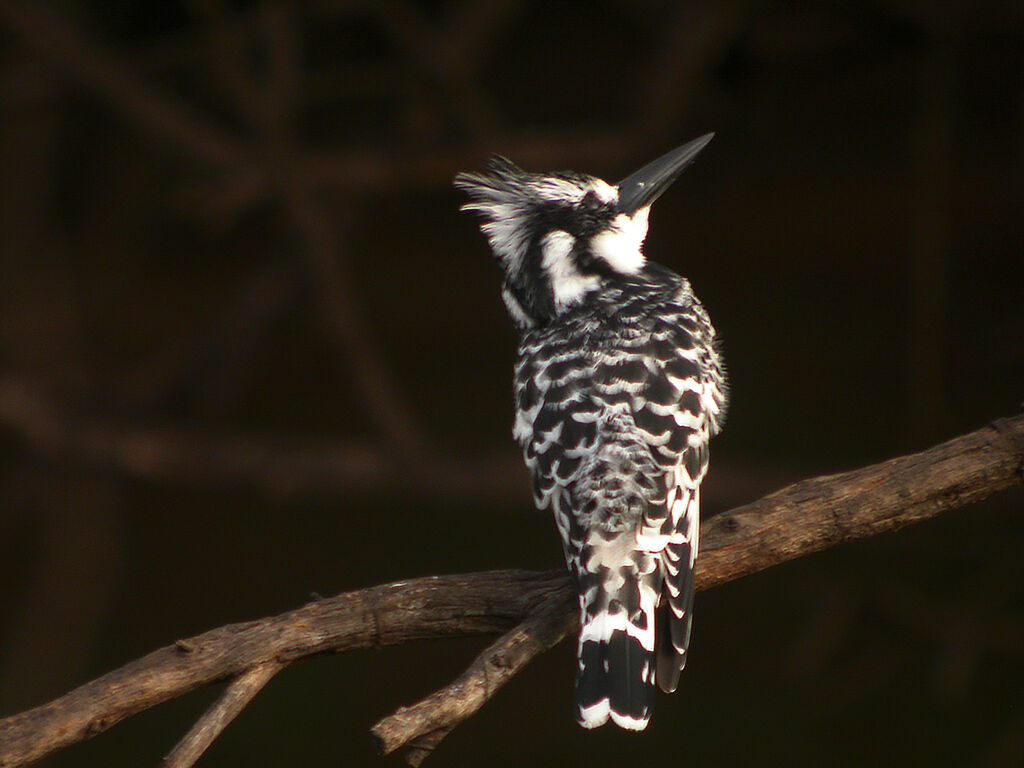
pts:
[187, 194]
[539, 607]
[281, 466]
[278, 466]
[271, 163]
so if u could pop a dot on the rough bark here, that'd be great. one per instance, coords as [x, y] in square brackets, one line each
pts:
[539, 608]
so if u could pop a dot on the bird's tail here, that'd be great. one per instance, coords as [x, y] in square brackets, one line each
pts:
[616, 649]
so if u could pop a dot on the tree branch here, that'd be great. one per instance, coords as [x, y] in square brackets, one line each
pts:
[423, 725]
[280, 466]
[216, 718]
[803, 518]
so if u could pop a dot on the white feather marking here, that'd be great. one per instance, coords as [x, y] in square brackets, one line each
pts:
[602, 626]
[630, 723]
[662, 410]
[687, 385]
[693, 534]
[617, 387]
[711, 400]
[684, 418]
[651, 541]
[620, 245]
[504, 230]
[682, 484]
[567, 284]
[596, 714]
[551, 437]
[523, 428]
[557, 190]
[519, 317]
[605, 192]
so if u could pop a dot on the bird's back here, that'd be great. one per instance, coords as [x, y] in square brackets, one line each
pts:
[615, 403]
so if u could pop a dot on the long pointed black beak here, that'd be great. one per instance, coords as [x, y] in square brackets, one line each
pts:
[643, 187]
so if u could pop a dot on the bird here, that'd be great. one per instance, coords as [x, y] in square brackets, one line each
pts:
[619, 384]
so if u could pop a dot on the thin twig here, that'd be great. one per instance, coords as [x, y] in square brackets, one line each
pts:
[433, 718]
[208, 727]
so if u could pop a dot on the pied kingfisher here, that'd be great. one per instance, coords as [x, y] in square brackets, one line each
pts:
[619, 385]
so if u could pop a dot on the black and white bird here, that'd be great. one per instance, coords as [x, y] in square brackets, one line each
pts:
[619, 386]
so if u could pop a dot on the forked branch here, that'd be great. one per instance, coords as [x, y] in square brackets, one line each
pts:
[535, 610]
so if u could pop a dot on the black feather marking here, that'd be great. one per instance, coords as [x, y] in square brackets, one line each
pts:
[681, 337]
[667, 658]
[577, 434]
[629, 593]
[620, 398]
[529, 395]
[588, 579]
[690, 401]
[543, 482]
[661, 391]
[651, 422]
[628, 693]
[663, 349]
[679, 438]
[624, 370]
[591, 681]
[564, 391]
[683, 368]
[568, 467]
[561, 368]
[665, 456]
[696, 461]
[547, 419]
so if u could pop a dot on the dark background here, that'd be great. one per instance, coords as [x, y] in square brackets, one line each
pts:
[250, 349]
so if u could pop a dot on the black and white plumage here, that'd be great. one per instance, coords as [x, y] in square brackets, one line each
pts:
[619, 386]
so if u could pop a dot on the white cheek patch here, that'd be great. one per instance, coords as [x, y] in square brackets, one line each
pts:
[567, 284]
[620, 244]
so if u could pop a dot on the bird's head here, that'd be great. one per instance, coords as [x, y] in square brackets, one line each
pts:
[561, 236]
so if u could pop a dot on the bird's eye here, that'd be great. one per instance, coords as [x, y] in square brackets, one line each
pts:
[590, 201]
